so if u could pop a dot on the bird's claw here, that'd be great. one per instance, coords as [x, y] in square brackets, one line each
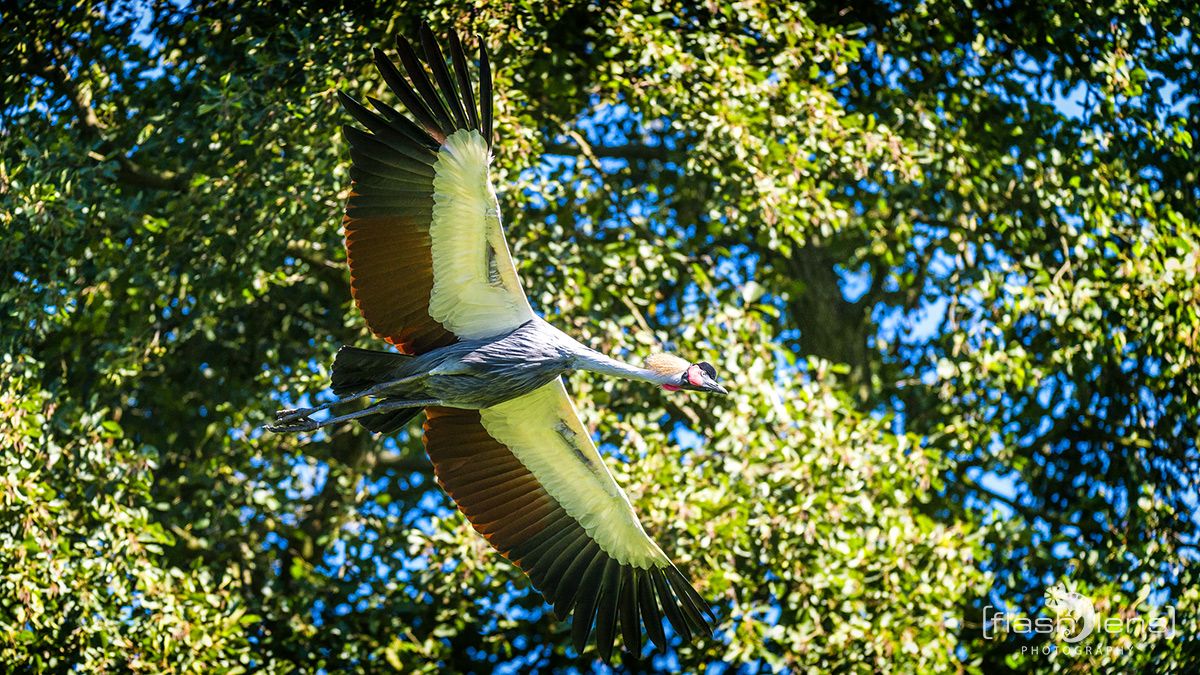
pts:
[289, 414]
[293, 427]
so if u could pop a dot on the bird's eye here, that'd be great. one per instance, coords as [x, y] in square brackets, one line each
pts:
[707, 368]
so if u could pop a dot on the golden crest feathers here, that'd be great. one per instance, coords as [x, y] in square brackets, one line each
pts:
[666, 364]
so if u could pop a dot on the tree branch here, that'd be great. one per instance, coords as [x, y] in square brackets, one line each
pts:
[332, 273]
[129, 171]
[1031, 514]
[627, 152]
[830, 326]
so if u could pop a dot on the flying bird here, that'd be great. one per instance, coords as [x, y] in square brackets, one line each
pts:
[432, 275]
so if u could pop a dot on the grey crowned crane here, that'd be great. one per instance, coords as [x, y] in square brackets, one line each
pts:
[432, 275]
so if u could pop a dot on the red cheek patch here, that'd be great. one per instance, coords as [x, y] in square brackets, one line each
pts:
[670, 387]
[694, 376]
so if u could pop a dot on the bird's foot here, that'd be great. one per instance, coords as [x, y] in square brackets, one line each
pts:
[289, 415]
[292, 427]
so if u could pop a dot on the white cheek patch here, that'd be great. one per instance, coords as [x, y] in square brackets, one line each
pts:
[694, 376]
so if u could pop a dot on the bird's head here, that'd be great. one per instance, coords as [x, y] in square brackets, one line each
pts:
[680, 374]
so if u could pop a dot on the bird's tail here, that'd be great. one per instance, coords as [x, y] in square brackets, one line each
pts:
[356, 370]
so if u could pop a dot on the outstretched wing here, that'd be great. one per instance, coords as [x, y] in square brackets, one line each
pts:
[530, 480]
[428, 259]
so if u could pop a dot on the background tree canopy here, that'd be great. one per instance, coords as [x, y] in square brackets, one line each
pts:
[947, 256]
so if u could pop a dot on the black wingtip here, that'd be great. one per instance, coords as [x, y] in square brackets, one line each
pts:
[351, 105]
[606, 610]
[695, 610]
[631, 629]
[651, 615]
[405, 91]
[424, 32]
[383, 61]
[670, 606]
[485, 93]
[459, 57]
[437, 64]
[420, 80]
[588, 596]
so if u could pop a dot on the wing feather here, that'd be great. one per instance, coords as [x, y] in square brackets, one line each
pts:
[541, 495]
[393, 149]
[429, 262]
[485, 94]
[631, 631]
[420, 80]
[406, 126]
[437, 63]
[606, 608]
[464, 80]
[417, 107]
[385, 126]
[476, 293]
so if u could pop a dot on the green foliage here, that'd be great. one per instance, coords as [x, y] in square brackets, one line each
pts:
[709, 177]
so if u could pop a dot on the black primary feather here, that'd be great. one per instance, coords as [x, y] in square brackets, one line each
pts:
[464, 79]
[404, 91]
[485, 93]
[420, 79]
[437, 64]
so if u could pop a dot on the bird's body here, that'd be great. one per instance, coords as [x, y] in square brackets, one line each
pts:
[432, 275]
[481, 373]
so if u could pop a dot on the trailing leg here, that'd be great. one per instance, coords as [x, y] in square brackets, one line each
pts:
[290, 414]
[386, 406]
[358, 373]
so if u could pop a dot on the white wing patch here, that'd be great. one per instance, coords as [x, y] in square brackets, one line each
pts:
[476, 292]
[543, 431]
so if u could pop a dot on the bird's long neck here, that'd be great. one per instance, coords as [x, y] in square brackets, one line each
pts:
[593, 361]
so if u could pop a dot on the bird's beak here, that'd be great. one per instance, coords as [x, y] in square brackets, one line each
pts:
[713, 386]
